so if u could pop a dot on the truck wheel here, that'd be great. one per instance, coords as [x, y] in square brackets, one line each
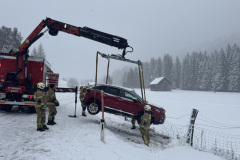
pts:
[7, 108]
[94, 108]
[31, 109]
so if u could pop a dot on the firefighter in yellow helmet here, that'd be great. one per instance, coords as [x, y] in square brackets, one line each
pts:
[40, 107]
[82, 95]
[52, 102]
[145, 124]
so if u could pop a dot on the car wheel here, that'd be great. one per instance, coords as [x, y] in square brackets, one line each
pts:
[93, 108]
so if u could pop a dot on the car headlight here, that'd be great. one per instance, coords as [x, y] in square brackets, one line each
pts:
[158, 110]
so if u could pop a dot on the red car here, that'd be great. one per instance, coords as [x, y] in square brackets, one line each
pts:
[120, 101]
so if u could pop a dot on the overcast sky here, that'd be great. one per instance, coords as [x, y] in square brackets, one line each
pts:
[152, 28]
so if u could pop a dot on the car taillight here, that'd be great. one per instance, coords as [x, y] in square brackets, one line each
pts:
[31, 97]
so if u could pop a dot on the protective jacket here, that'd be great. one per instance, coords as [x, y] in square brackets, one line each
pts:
[146, 120]
[40, 99]
[51, 97]
[82, 95]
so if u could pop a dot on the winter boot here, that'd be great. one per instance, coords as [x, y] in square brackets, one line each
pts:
[53, 121]
[84, 114]
[45, 127]
[133, 127]
[40, 129]
[50, 123]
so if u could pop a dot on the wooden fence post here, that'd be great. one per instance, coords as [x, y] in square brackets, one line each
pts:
[191, 127]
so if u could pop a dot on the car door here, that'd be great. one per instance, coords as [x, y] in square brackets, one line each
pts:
[111, 97]
[129, 102]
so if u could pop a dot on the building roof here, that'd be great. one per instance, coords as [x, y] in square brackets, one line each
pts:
[156, 80]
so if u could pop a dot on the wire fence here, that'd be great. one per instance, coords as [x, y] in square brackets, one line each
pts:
[208, 140]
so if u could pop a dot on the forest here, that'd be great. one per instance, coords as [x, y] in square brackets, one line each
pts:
[201, 71]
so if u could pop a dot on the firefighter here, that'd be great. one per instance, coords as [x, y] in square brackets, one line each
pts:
[40, 107]
[145, 124]
[52, 102]
[82, 95]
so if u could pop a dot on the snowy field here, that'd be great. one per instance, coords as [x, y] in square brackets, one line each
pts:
[79, 138]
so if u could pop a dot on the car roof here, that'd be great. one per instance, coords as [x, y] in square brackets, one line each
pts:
[115, 86]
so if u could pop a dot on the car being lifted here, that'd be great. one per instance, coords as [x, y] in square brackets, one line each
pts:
[120, 101]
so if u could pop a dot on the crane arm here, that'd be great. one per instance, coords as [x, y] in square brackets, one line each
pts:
[56, 26]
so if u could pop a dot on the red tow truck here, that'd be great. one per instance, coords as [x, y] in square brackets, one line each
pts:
[20, 73]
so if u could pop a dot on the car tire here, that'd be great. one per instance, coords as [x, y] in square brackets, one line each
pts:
[92, 108]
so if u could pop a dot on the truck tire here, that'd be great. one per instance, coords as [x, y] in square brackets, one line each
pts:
[31, 109]
[7, 108]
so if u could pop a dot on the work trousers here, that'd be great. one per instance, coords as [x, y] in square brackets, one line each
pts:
[52, 112]
[83, 107]
[145, 135]
[41, 117]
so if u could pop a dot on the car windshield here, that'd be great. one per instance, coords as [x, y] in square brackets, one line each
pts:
[136, 95]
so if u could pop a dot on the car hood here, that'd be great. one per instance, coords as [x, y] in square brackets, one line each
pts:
[154, 105]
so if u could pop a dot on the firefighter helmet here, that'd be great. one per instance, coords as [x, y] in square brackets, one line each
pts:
[147, 107]
[41, 85]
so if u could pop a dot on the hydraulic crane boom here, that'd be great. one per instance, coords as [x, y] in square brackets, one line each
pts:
[54, 27]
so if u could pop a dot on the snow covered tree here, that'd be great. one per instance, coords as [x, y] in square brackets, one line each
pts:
[234, 73]
[184, 73]
[34, 52]
[168, 67]
[177, 73]
[41, 52]
[72, 82]
[9, 38]
[159, 67]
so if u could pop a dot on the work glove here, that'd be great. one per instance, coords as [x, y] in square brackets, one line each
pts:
[39, 101]
[57, 103]
[53, 100]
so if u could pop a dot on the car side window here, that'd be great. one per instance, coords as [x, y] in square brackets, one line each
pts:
[127, 95]
[99, 87]
[111, 90]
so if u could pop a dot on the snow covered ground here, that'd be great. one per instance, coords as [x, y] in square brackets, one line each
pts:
[79, 138]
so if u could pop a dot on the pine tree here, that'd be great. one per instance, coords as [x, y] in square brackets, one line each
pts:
[9, 39]
[34, 52]
[234, 74]
[185, 76]
[41, 52]
[72, 82]
[159, 67]
[168, 67]
[177, 73]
